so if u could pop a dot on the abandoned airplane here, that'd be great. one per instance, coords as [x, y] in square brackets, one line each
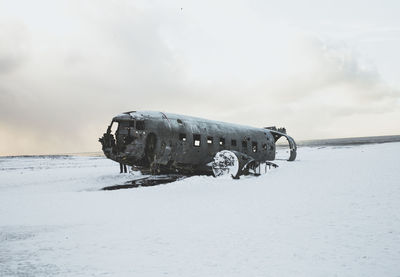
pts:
[162, 143]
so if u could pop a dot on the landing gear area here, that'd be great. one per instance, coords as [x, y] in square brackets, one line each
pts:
[234, 164]
[225, 163]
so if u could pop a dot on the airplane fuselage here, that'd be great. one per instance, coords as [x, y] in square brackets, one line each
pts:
[170, 143]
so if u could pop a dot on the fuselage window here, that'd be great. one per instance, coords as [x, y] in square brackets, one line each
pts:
[233, 142]
[140, 125]
[123, 124]
[209, 140]
[122, 128]
[221, 141]
[196, 140]
[131, 128]
[264, 146]
[179, 121]
[182, 137]
[254, 146]
[244, 144]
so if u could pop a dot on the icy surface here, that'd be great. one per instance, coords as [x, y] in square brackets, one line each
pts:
[333, 212]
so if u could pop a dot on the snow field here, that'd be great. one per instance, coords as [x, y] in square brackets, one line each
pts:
[332, 212]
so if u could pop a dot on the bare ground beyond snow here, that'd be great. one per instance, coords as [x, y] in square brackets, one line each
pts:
[333, 212]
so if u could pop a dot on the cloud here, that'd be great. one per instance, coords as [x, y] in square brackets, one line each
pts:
[14, 44]
[66, 75]
[327, 71]
[327, 83]
[62, 97]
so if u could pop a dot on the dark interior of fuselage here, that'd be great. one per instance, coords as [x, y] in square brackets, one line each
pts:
[123, 132]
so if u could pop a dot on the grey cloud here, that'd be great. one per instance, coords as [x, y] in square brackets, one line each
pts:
[61, 99]
[65, 98]
[14, 45]
[337, 74]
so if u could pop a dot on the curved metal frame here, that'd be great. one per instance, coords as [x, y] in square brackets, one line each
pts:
[292, 144]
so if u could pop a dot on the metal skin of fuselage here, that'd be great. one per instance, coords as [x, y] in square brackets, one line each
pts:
[163, 143]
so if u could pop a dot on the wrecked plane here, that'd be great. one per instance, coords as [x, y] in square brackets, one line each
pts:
[161, 143]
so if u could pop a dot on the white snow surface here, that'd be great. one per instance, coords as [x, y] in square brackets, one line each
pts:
[332, 212]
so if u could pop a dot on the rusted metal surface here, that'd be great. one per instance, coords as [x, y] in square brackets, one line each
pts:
[163, 143]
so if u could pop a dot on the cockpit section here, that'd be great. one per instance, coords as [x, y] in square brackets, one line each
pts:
[120, 135]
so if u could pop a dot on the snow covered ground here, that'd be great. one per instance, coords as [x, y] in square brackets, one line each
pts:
[333, 212]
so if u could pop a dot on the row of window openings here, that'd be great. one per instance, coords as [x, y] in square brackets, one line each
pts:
[197, 142]
[139, 124]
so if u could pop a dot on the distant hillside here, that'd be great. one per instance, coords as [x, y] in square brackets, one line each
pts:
[349, 141]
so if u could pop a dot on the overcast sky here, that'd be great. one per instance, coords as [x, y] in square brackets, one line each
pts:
[322, 69]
